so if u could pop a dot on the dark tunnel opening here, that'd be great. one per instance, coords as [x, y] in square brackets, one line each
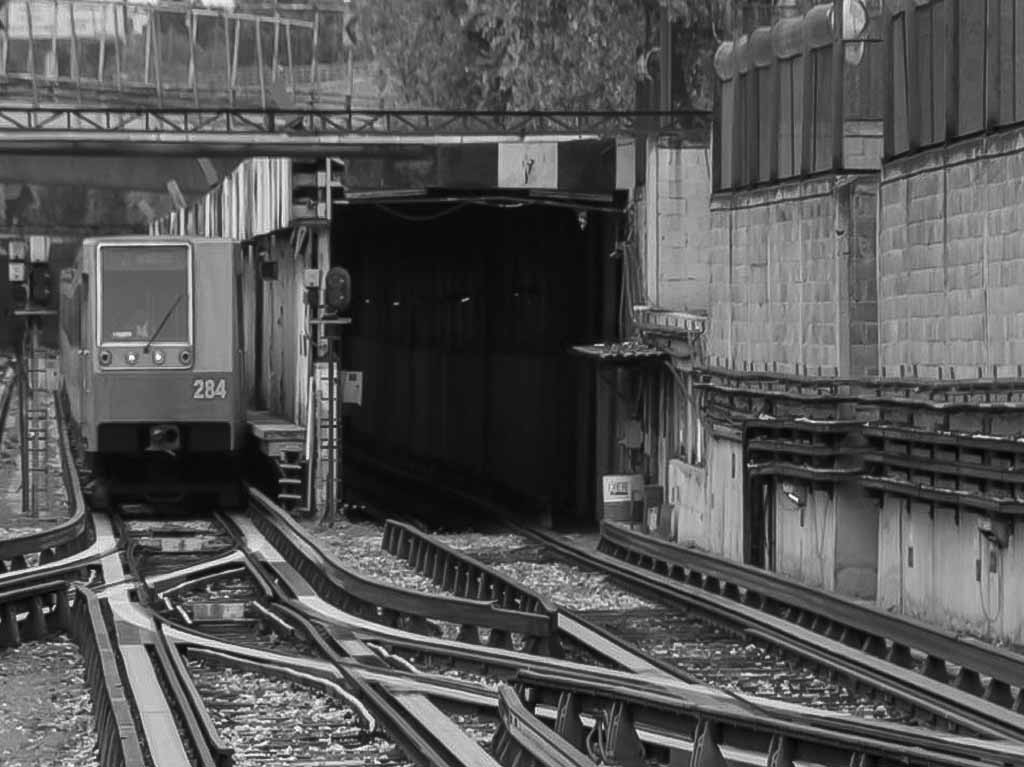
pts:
[462, 324]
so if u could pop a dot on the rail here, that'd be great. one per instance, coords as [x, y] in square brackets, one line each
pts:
[44, 605]
[390, 605]
[390, 704]
[316, 600]
[62, 540]
[522, 738]
[928, 697]
[460, 573]
[871, 629]
[115, 728]
[626, 706]
[209, 747]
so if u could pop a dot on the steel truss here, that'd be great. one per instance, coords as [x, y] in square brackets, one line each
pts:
[120, 130]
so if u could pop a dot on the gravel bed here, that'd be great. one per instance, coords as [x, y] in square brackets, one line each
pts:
[272, 722]
[533, 566]
[234, 588]
[722, 661]
[45, 709]
[479, 728]
[667, 633]
[357, 546]
[248, 633]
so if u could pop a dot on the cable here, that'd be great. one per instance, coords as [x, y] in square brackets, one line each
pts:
[982, 598]
[430, 217]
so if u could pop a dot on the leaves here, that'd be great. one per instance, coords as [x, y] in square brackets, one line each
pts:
[529, 54]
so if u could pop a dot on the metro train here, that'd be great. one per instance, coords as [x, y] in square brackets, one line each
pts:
[152, 367]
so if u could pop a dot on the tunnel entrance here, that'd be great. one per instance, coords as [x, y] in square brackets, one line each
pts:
[463, 315]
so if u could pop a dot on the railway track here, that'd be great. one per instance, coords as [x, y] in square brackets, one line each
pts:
[937, 679]
[767, 608]
[568, 685]
[161, 607]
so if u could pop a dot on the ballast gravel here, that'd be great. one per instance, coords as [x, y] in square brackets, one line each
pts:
[45, 709]
[271, 721]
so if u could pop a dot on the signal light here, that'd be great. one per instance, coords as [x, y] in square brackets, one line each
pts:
[337, 289]
[40, 281]
[19, 294]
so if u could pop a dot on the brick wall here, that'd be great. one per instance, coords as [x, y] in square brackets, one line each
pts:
[792, 277]
[951, 259]
[676, 218]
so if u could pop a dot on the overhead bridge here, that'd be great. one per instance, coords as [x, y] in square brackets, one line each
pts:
[305, 133]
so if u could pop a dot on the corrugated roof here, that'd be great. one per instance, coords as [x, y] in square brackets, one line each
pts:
[623, 351]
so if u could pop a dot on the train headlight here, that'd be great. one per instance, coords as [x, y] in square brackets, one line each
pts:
[158, 357]
[105, 357]
[132, 358]
[185, 356]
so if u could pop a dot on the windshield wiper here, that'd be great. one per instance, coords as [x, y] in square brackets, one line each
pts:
[152, 338]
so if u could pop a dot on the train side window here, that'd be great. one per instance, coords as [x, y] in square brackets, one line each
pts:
[82, 306]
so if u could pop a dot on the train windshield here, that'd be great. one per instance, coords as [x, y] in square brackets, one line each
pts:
[143, 289]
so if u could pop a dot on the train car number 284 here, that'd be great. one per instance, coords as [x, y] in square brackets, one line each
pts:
[209, 388]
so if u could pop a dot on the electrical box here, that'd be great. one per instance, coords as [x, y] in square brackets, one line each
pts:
[38, 249]
[352, 387]
[623, 497]
[17, 250]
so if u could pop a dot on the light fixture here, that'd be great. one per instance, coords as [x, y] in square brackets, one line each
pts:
[132, 358]
[105, 357]
[795, 493]
[185, 356]
[158, 357]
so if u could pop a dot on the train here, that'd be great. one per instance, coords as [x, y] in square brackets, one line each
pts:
[152, 368]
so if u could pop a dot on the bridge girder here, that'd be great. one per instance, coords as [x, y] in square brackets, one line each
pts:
[309, 132]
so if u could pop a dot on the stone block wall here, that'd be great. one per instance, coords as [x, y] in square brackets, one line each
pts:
[951, 259]
[792, 278]
[676, 223]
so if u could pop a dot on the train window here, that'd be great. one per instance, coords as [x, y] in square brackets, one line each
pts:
[144, 289]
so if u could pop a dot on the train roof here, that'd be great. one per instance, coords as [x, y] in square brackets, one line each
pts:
[151, 238]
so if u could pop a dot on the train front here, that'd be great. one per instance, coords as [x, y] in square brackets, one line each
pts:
[166, 383]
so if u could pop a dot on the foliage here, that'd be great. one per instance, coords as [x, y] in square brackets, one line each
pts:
[535, 54]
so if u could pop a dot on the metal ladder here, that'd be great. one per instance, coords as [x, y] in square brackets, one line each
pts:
[289, 481]
[329, 434]
[35, 452]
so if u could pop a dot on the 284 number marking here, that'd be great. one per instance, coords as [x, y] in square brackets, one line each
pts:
[209, 388]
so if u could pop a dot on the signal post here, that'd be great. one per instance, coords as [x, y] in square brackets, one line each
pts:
[325, 486]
